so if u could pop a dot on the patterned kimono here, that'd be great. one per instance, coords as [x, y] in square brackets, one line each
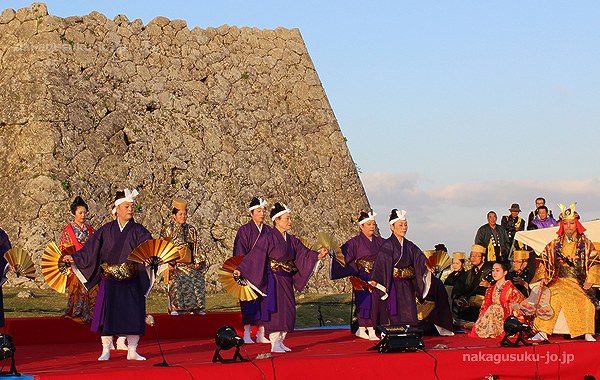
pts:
[121, 301]
[4, 267]
[276, 266]
[360, 253]
[245, 240]
[186, 279]
[495, 309]
[80, 305]
[401, 274]
[568, 265]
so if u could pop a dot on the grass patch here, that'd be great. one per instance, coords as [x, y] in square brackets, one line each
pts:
[334, 309]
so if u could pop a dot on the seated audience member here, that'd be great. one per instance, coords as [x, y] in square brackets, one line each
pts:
[538, 203]
[520, 275]
[469, 291]
[543, 220]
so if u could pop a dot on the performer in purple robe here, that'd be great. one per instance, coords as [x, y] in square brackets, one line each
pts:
[121, 304]
[245, 239]
[4, 268]
[399, 274]
[276, 265]
[359, 255]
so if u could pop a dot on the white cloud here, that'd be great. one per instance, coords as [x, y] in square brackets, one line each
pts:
[452, 212]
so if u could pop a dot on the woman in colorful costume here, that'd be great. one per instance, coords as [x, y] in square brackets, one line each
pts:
[497, 305]
[80, 305]
[186, 276]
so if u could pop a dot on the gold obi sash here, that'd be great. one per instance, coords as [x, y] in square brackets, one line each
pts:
[366, 265]
[119, 272]
[284, 266]
[405, 273]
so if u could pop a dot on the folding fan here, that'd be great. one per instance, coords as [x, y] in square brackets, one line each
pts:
[359, 284]
[54, 270]
[236, 286]
[155, 252]
[326, 240]
[19, 259]
[438, 261]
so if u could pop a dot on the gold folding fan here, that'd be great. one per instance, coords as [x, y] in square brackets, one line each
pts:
[56, 271]
[235, 286]
[438, 261]
[155, 252]
[19, 259]
[326, 240]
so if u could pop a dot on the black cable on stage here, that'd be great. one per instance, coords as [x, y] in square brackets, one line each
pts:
[185, 369]
[434, 364]
[254, 364]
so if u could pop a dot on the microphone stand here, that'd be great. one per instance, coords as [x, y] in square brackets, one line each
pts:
[164, 362]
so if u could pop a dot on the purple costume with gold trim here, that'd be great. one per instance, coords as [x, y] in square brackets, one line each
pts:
[278, 310]
[402, 307]
[245, 239]
[120, 305]
[359, 253]
[4, 247]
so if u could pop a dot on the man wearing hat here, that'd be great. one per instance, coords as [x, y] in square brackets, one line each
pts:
[569, 267]
[513, 223]
[245, 240]
[493, 237]
[121, 301]
[519, 274]
[186, 276]
[399, 273]
[469, 290]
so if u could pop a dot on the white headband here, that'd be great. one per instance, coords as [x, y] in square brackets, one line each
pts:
[129, 195]
[372, 216]
[401, 216]
[261, 203]
[285, 209]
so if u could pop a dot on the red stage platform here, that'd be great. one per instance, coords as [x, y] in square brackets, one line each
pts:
[55, 348]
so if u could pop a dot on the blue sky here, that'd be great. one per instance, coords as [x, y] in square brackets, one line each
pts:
[450, 108]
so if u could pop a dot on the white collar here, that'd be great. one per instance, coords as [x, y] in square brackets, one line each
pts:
[123, 226]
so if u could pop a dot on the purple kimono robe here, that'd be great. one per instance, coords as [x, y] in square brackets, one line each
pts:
[120, 305]
[278, 310]
[4, 247]
[400, 293]
[245, 239]
[359, 248]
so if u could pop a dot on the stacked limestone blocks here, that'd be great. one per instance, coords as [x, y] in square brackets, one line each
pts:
[90, 105]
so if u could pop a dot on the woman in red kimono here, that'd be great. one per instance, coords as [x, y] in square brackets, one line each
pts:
[497, 305]
[81, 302]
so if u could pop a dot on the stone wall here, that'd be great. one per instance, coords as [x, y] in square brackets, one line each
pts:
[90, 105]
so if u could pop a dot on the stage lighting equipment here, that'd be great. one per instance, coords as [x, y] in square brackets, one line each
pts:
[513, 326]
[400, 339]
[7, 351]
[226, 339]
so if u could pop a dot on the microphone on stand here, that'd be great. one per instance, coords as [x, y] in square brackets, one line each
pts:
[150, 322]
